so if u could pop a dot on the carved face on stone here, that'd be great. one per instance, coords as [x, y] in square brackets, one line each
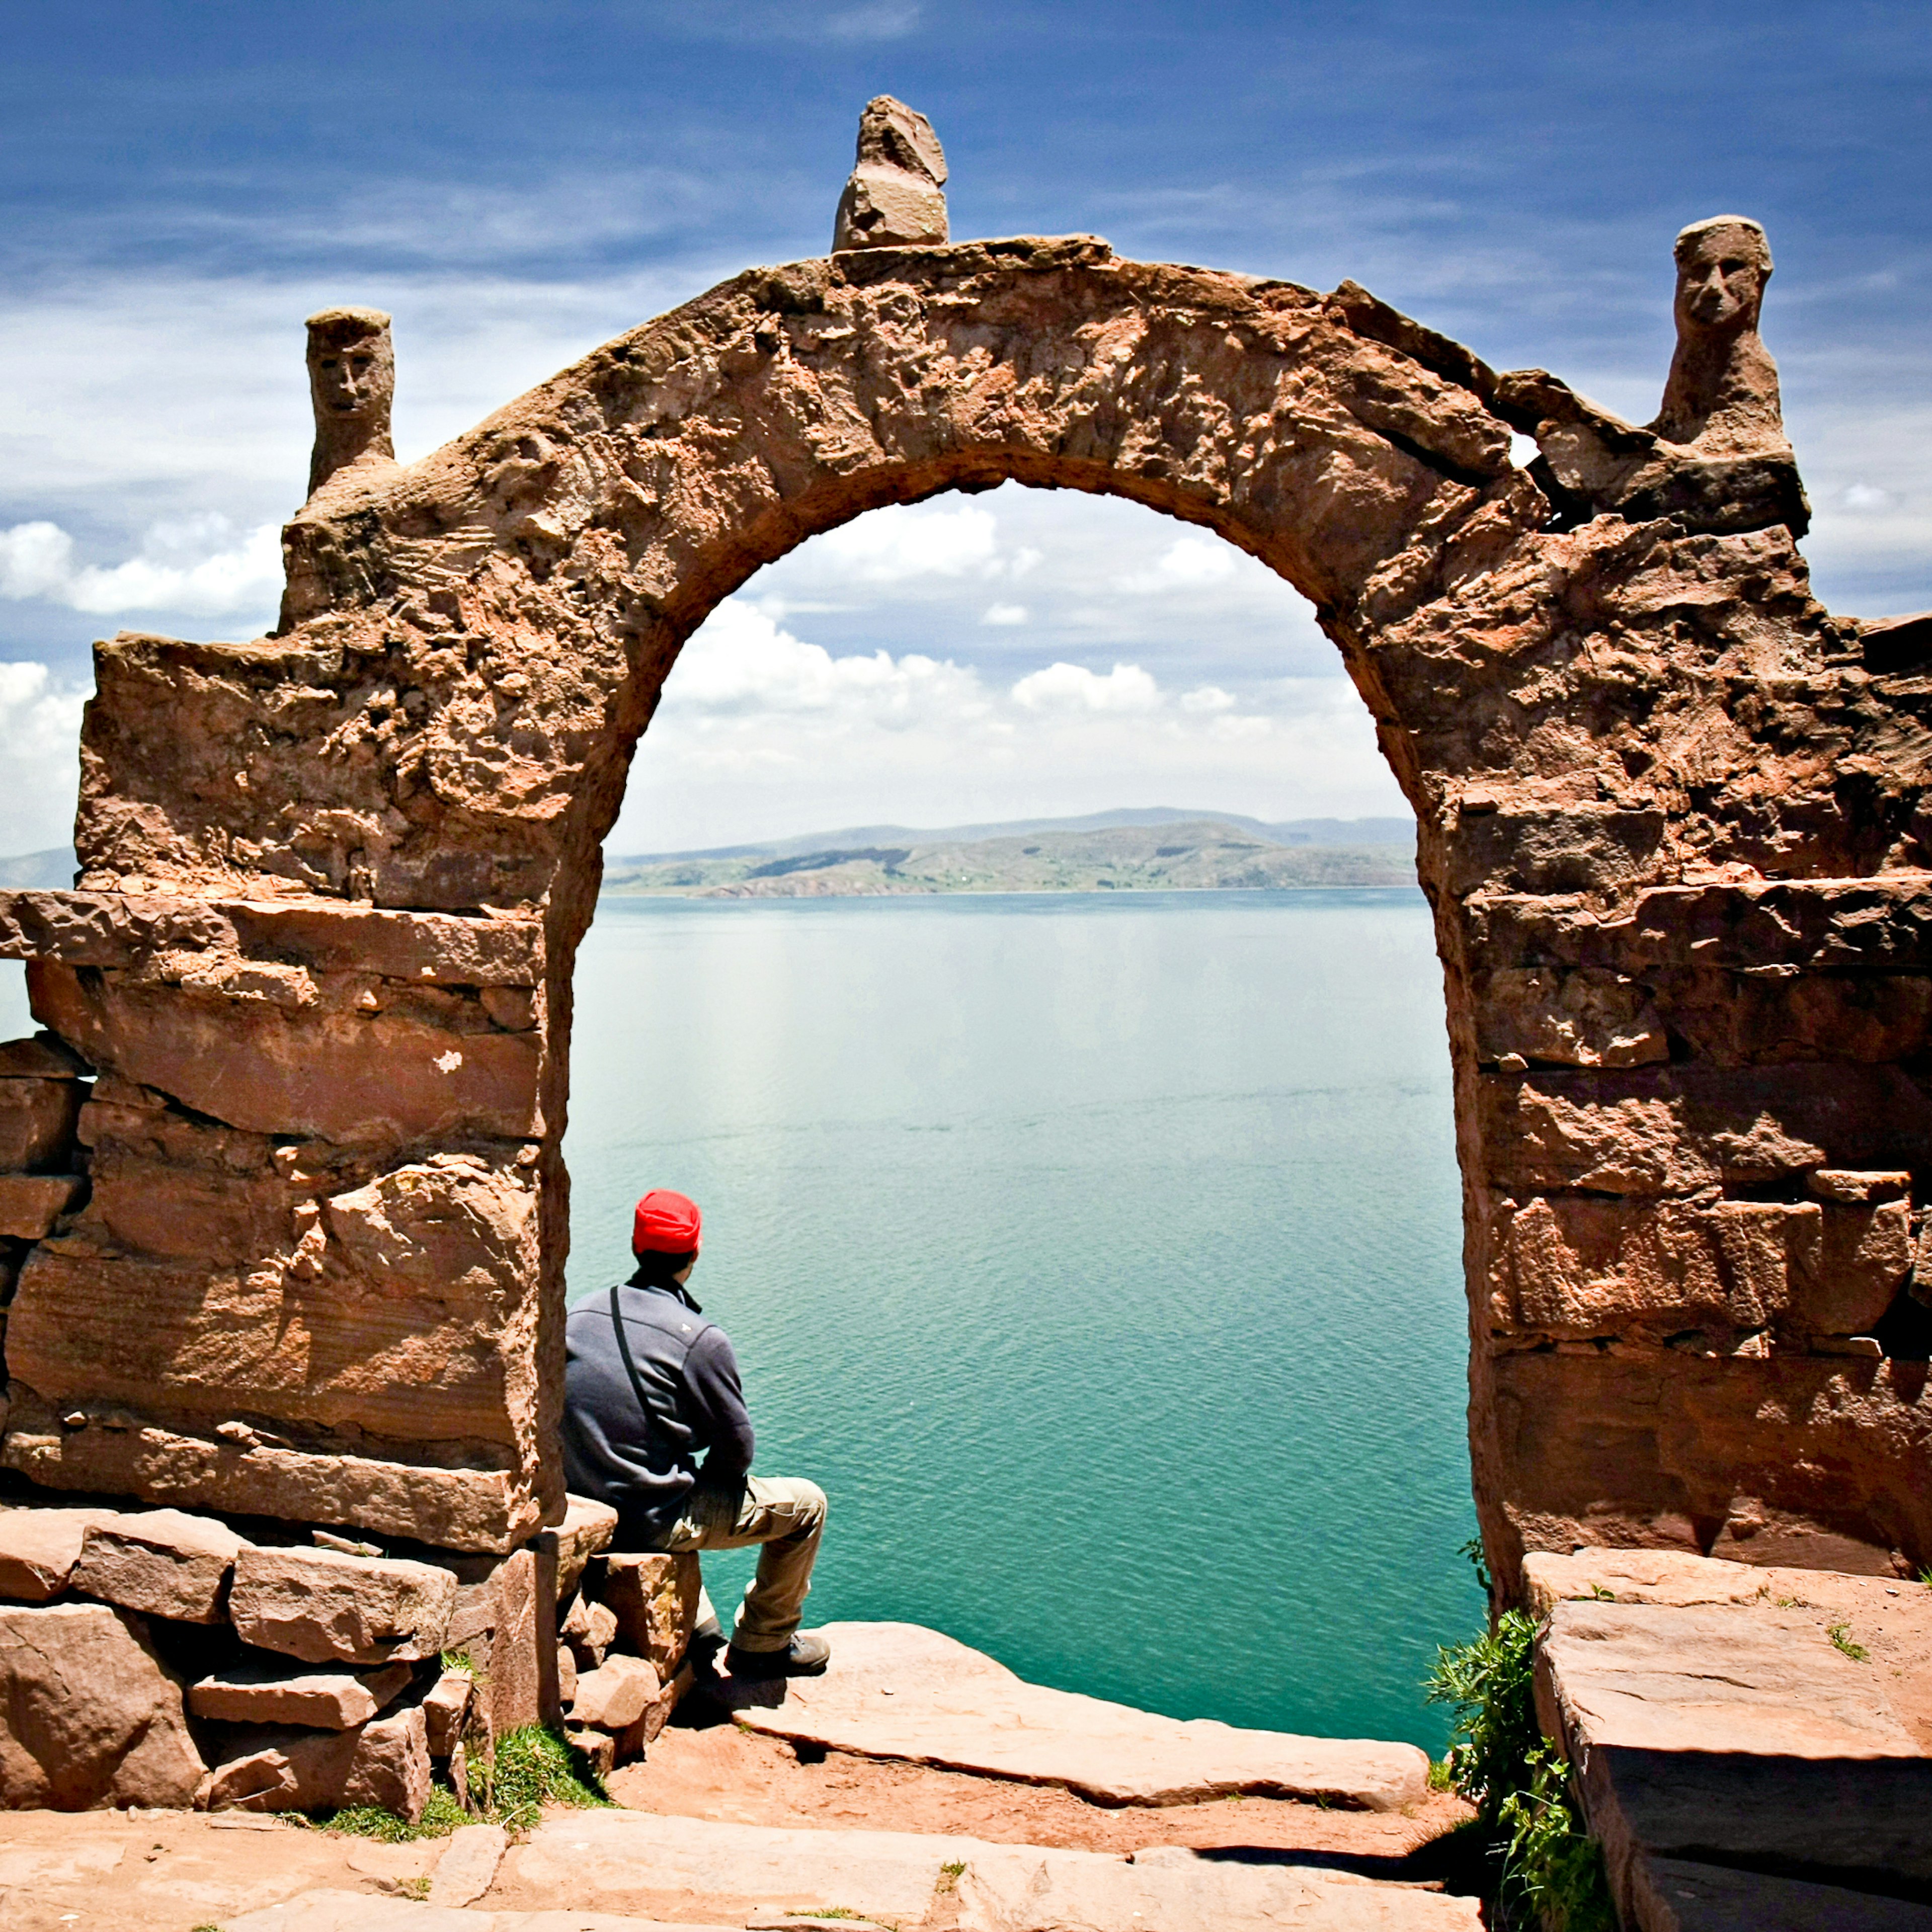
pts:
[352, 376]
[1722, 268]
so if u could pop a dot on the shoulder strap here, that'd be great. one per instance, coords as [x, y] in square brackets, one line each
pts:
[624, 1349]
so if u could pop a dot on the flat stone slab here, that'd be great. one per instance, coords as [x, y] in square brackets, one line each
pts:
[324, 1605]
[468, 1867]
[270, 1693]
[898, 1690]
[330, 1911]
[1686, 1898]
[1763, 1727]
[635, 1861]
[39, 1548]
[164, 1563]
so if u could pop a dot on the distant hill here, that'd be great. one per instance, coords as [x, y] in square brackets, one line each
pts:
[39, 872]
[1165, 854]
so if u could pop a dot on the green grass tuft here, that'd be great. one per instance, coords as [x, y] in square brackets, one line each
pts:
[533, 1767]
[441, 1816]
[1841, 1635]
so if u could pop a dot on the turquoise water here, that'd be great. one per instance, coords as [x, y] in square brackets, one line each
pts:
[1100, 1256]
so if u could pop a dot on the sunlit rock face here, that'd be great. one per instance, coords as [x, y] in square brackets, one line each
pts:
[1672, 823]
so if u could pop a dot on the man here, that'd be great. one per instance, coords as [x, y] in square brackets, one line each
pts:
[650, 1387]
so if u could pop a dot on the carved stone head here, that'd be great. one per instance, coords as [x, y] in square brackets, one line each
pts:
[1722, 393]
[352, 381]
[1723, 265]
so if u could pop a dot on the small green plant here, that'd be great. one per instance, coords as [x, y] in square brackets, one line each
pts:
[1601, 1595]
[1925, 1577]
[949, 1876]
[1441, 1776]
[417, 1887]
[1841, 1635]
[1548, 1863]
[1548, 1866]
[459, 1659]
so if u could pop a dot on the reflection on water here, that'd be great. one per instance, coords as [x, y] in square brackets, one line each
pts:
[1100, 1256]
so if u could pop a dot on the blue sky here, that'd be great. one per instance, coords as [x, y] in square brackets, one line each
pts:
[516, 183]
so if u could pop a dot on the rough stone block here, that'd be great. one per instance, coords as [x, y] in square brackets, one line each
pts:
[38, 1119]
[164, 1563]
[44, 1057]
[614, 1697]
[446, 1711]
[267, 1692]
[566, 1676]
[586, 1531]
[637, 1737]
[322, 1605]
[1859, 1268]
[589, 1629]
[654, 1597]
[30, 1203]
[1583, 1263]
[513, 1691]
[598, 1748]
[39, 1548]
[456, 1509]
[349, 1075]
[385, 1763]
[88, 1715]
[1587, 1017]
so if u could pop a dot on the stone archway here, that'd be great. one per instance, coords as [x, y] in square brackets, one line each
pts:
[333, 880]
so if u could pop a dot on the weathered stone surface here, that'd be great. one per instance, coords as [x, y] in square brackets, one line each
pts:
[322, 1605]
[268, 1692]
[614, 1697]
[629, 1861]
[467, 1869]
[654, 1599]
[523, 1648]
[1672, 816]
[897, 1690]
[384, 1762]
[637, 1737]
[161, 1562]
[30, 1203]
[446, 1711]
[457, 1508]
[1775, 1720]
[37, 1120]
[352, 380]
[39, 1548]
[90, 1716]
[895, 197]
[589, 1629]
[1681, 1895]
[586, 1531]
[599, 1749]
[328, 1064]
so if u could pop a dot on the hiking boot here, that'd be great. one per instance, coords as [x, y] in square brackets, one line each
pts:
[806, 1655]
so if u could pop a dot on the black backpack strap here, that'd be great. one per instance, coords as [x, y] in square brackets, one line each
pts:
[624, 1349]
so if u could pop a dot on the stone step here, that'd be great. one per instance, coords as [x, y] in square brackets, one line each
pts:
[1753, 1742]
[898, 1690]
[329, 1911]
[626, 1862]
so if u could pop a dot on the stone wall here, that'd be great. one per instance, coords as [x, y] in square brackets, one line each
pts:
[1671, 825]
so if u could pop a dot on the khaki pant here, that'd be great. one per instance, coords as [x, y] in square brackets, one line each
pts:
[788, 1518]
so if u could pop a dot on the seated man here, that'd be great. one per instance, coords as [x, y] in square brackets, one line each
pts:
[650, 1386]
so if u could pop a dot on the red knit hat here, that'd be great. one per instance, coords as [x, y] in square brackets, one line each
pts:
[667, 1224]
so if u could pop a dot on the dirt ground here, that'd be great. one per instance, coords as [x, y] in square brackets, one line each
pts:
[722, 1772]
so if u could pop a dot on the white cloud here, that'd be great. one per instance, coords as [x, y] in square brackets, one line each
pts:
[904, 541]
[200, 566]
[40, 740]
[1004, 613]
[1207, 697]
[1186, 564]
[1863, 497]
[1073, 687]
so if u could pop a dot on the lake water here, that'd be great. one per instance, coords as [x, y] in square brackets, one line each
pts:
[1099, 1254]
